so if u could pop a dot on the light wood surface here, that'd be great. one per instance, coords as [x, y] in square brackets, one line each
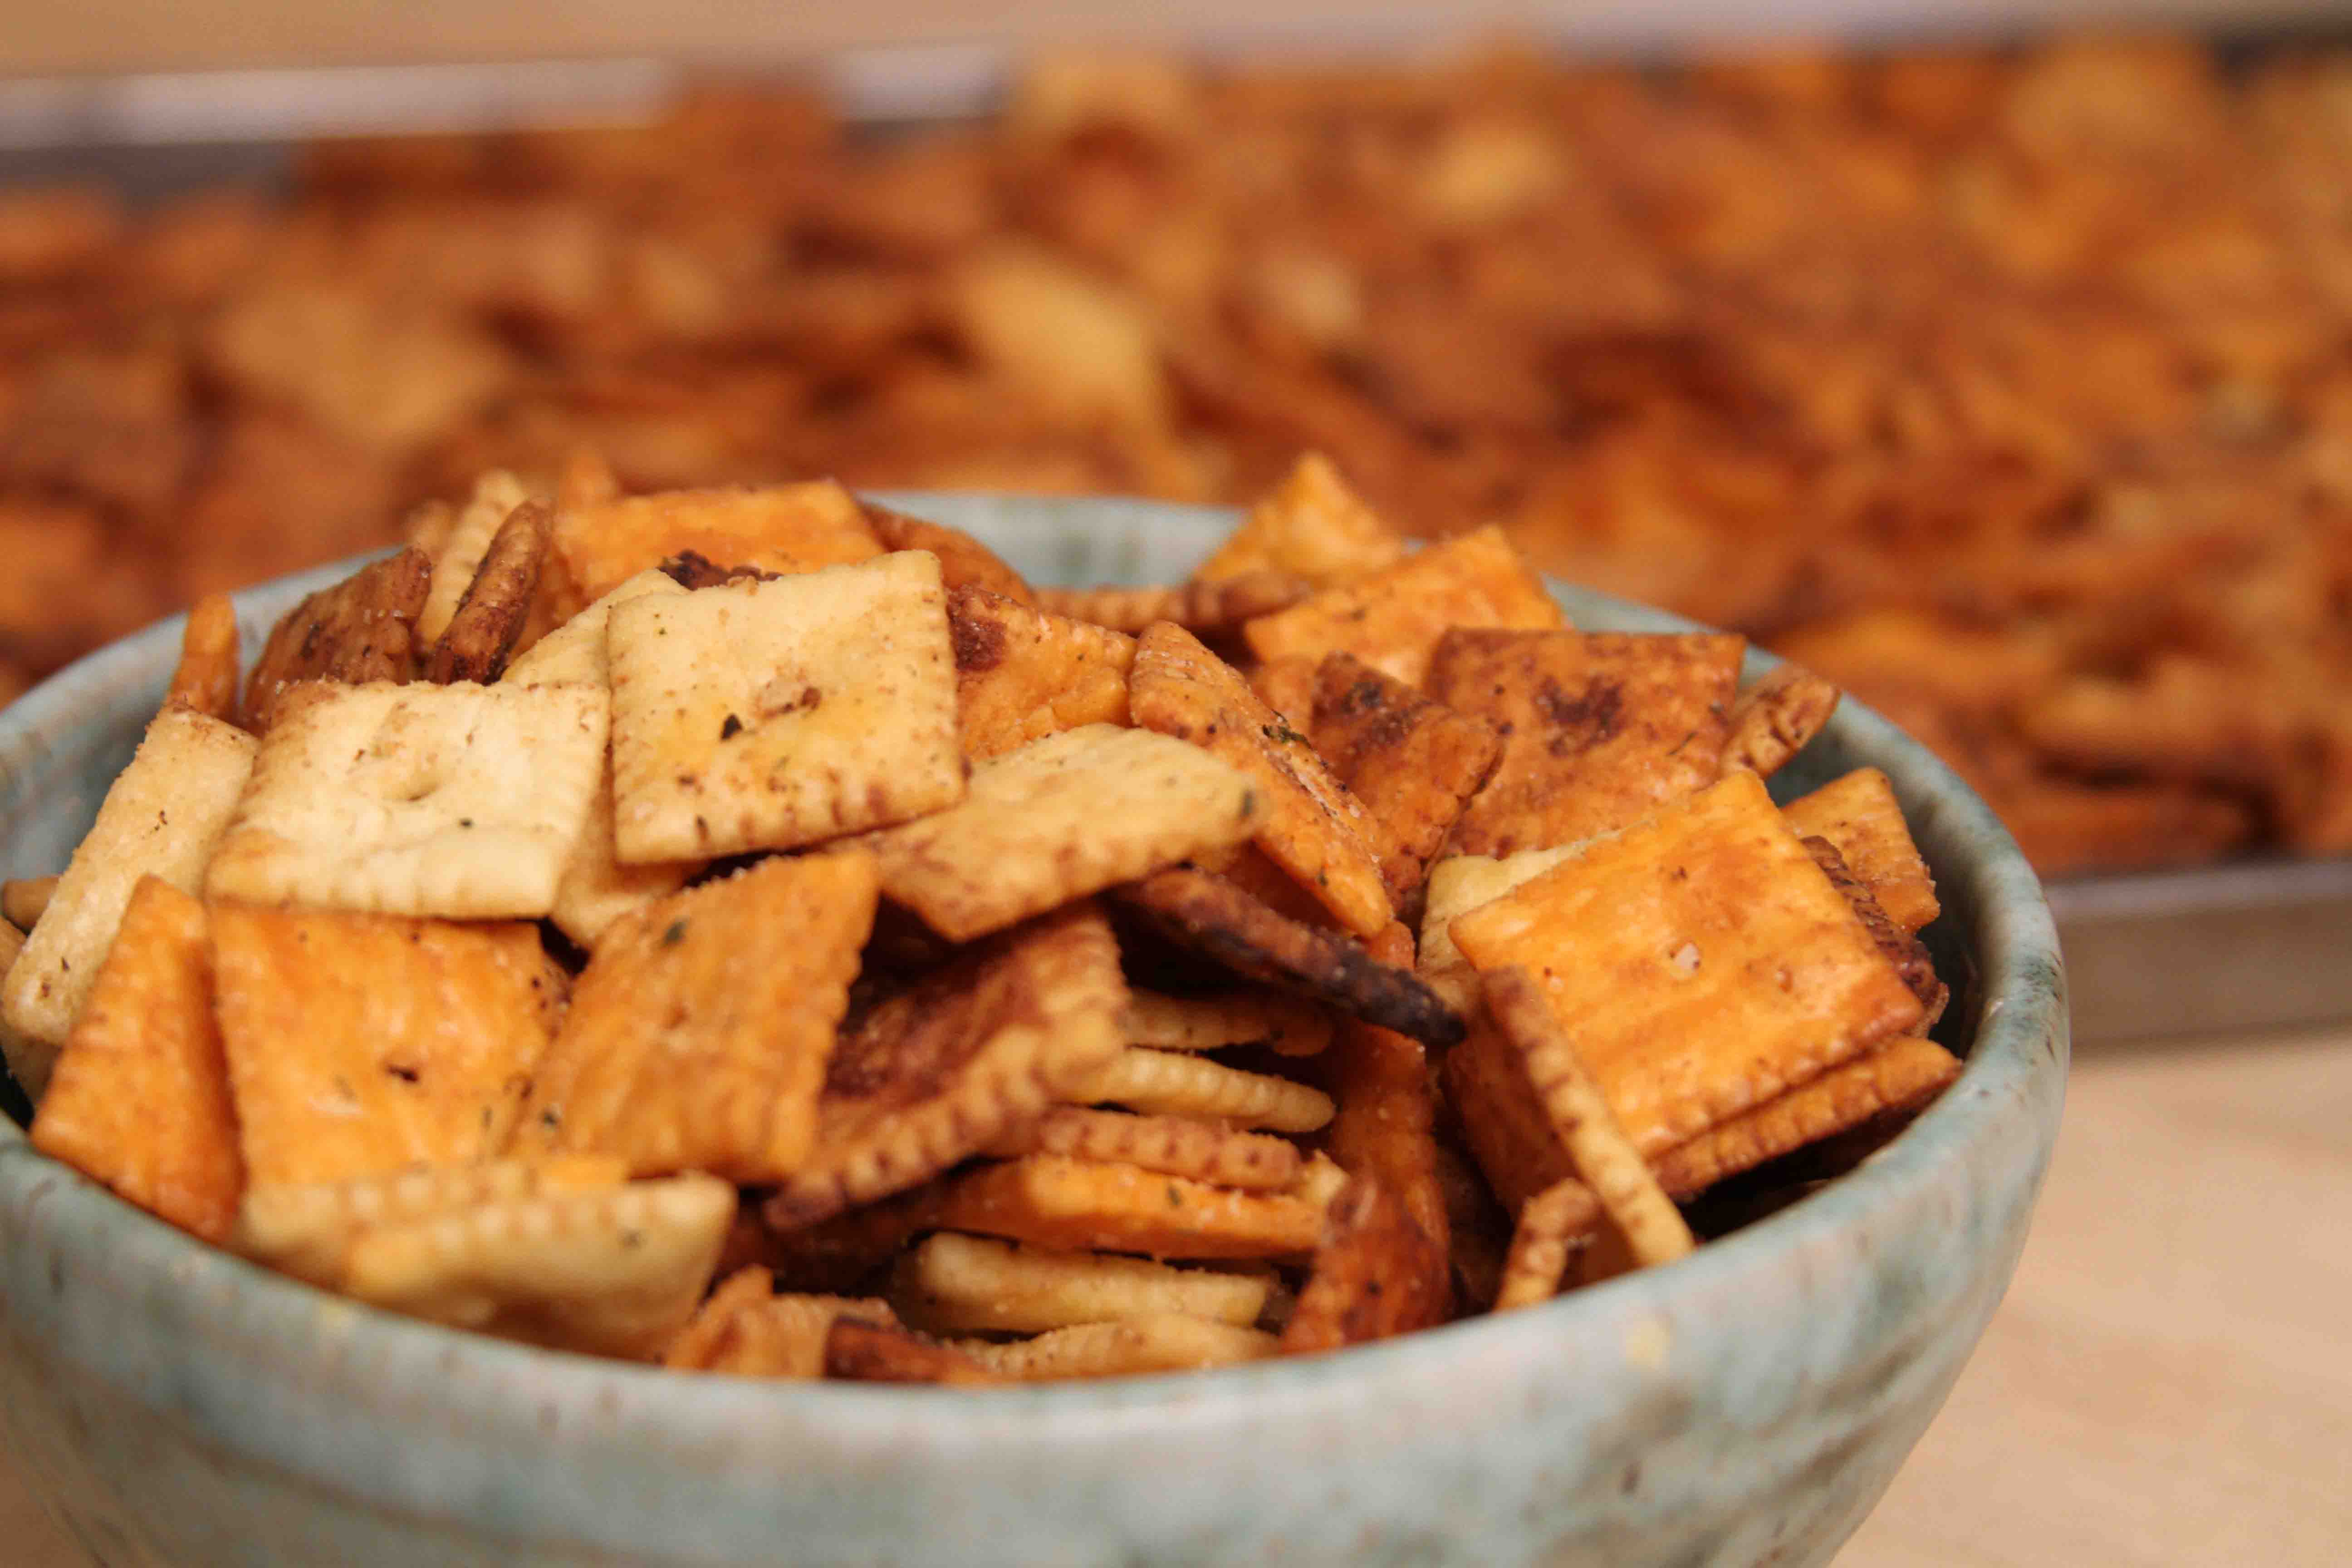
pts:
[2169, 1382]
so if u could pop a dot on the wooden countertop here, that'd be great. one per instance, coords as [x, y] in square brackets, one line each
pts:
[2169, 1382]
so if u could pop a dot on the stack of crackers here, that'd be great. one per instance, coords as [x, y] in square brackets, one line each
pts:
[756, 931]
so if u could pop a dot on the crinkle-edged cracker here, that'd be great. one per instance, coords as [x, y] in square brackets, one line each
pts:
[1415, 763]
[361, 630]
[1205, 912]
[1206, 609]
[1310, 526]
[1778, 717]
[610, 1271]
[1601, 728]
[164, 814]
[360, 1043]
[1899, 1076]
[1136, 1348]
[1312, 828]
[1507, 1129]
[700, 1033]
[205, 681]
[1554, 1225]
[860, 1351]
[457, 801]
[1051, 1200]
[1478, 1232]
[1376, 1273]
[1392, 620]
[964, 562]
[1022, 674]
[1058, 819]
[1903, 950]
[957, 1284]
[307, 1230]
[770, 715]
[1287, 1025]
[1859, 814]
[1385, 1125]
[1173, 1146]
[932, 1074]
[781, 528]
[1700, 960]
[1171, 1083]
[458, 556]
[488, 623]
[1458, 884]
[1580, 1119]
[139, 1096]
[747, 1329]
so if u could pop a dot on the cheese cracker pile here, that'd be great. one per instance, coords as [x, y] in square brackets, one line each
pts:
[757, 932]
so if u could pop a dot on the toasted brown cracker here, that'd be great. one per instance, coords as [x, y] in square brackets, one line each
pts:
[457, 557]
[746, 1330]
[333, 1082]
[1387, 1111]
[1207, 609]
[456, 801]
[489, 620]
[1168, 1342]
[1903, 950]
[1508, 1132]
[611, 1271]
[955, 1284]
[700, 1033]
[25, 899]
[1210, 915]
[1860, 815]
[768, 715]
[1022, 674]
[1413, 763]
[140, 1096]
[1553, 1226]
[932, 1074]
[205, 681]
[162, 815]
[1312, 828]
[361, 630]
[307, 1231]
[874, 1352]
[844, 1253]
[1478, 1232]
[1581, 1120]
[1058, 819]
[783, 527]
[1392, 620]
[692, 569]
[1900, 1074]
[1376, 1273]
[1311, 526]
[1700, 960]
[1284, 1025]
[1051, 1200]
[1171, 1083]
[1599, 728]
[1173, 1146]
[1774, 719]
[1287, 686]
[964, 562]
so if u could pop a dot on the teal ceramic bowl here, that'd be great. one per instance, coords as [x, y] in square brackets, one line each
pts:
[175, 1405]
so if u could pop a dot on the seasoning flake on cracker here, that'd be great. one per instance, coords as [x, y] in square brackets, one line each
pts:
[1061, 818]
[163, 816]
[463, 802]
[360, 1044]
[934, 1073]
[1312, 828]
[1701, 960]
[1022, 674]
[768, 715]
[1392, 619]
[780, 527]
[1600, 728]
[139, 1096]
[699, 1036]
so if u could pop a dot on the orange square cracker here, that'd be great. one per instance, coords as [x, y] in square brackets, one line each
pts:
[780, 527]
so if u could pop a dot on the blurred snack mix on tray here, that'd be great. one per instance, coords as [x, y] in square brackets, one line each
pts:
[2010, 390]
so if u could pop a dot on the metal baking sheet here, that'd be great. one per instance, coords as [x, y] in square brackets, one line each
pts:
[2219, 949]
